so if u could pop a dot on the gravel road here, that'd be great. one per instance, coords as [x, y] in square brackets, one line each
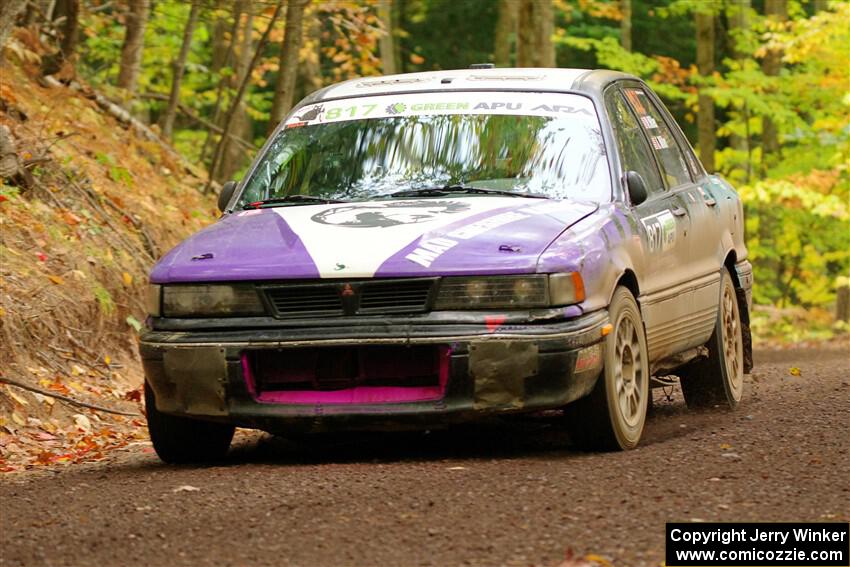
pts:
[502, 494]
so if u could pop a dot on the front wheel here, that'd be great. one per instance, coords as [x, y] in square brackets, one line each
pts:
[718, 379]
[613, 415]
[179, 440]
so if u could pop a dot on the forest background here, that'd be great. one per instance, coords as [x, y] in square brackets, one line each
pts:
[120, 119]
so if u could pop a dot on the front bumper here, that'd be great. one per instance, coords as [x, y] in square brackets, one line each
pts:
[487, 368]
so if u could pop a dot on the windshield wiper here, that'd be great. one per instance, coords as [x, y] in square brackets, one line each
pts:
[455, 189]
[291, 200]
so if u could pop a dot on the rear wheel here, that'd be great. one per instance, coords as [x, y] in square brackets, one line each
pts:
[185, 440]
[719, 379]
[613, 415]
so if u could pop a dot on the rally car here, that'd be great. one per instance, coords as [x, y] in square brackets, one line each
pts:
[424, 249]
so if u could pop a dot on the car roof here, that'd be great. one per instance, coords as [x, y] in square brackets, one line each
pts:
[589, 81]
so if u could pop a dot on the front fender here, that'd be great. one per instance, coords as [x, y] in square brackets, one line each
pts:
[602, 248]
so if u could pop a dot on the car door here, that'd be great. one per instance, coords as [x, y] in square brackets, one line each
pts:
[702, 200]
[663, 225]
[696, 299]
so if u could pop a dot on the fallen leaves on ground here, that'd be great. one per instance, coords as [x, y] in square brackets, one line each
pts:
[40, 430]
[33, 447]
[589, 560]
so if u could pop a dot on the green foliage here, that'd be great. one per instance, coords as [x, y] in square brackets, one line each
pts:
[799, 241]
[450, 34]
[8, 192]
[104, 299]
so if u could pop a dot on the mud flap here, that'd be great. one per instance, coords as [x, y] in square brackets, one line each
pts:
[198, 375]
[499, 370]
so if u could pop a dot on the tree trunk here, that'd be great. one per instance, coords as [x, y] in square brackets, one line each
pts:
[179, 66]
[776, 10]
[399, 24]
[221, 43]
[387, 41]
[506, 29]
[525, 56]
[288, 66]
[705, 65]
[738, 14]
[534, 42]
[134, 43]
[842, 303]
[626, 24]
[545, 25]
[237, 101]
[237, 116]
[311, 70]
[222, 58]
[68, 11]
[9, 10]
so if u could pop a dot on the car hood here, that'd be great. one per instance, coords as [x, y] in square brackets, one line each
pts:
[392, 238]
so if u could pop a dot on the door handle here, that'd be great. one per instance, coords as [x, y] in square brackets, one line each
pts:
[710, 202]
[680, 212]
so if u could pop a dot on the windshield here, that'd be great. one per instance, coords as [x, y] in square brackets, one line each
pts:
[359, 149]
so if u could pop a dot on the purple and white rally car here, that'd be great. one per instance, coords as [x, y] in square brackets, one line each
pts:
[423, 249]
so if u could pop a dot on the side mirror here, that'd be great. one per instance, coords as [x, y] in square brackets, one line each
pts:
[637, 187]
[226, 193]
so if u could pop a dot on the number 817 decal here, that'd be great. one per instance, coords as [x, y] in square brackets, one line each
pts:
[660, 231]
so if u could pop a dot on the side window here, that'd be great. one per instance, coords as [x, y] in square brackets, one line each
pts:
[635, 154]
[664, 144]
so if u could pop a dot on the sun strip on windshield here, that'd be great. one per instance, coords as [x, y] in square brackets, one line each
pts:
[421, 104]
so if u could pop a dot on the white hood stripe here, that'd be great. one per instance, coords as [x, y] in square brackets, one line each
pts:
[354, 240]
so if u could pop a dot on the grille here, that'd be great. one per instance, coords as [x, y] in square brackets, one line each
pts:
[303, 301]
[395, 296]
[368, 297]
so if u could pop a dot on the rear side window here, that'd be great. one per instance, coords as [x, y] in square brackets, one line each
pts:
[634, 150]
[664, 144]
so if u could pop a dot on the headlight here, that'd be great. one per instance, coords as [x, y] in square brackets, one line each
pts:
[501, 292]
[153, 300]
[210, 301]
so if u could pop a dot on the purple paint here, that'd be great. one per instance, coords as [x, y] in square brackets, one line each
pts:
[253, 245]
[482, 254]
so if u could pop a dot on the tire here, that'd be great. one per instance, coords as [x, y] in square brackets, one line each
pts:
[612, 416]
[179, 440]
[718, 379]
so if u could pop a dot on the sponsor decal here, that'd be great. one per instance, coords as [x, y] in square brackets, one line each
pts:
[660, 231]
[493, 322]
[633, 96]
[588, 358]
[431, 249]
[648, 122]
[313, 113]
[444, 103]
[658, 142]
[384, 215]
[397, 108]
